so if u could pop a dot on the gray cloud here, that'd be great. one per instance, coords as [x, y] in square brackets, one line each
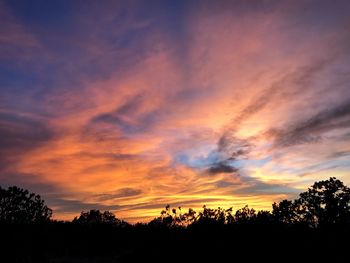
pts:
[315, 170]
[121, 193]
[20, 134]
[65, 205]
[224, 184]
[221, 167]
[122, 113]
[27, 181]
[130, 118]
[339, 154]
[289, 85]
[312, 129]
[105, 155]
[256, 186]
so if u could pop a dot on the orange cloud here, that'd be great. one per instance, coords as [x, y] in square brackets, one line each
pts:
[186, 116]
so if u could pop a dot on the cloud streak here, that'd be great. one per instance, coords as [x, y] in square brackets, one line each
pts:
[130, 106]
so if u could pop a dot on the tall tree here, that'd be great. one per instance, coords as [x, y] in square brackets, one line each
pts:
[326, 202]
[19, 206]
[285, 212]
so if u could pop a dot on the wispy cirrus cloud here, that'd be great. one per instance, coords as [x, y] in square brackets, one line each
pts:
[128, 107]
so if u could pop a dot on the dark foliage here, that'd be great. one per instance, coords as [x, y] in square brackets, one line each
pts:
[325, 203]
[315, 228]
[20, 206]
[96, 217]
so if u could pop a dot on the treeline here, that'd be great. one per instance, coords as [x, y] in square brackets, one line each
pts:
[325, 203]
[314, 227]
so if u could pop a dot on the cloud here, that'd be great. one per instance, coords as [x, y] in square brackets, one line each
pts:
[20, 131]
[121, 193]
[339, 154]
[259, 187]
[65, 205]
[318, 170]
[20, 134]
[131, 117]
[31, 182]
[222, 167]
[288, 85]
[312, 130]
[15, 41]
[130, 106]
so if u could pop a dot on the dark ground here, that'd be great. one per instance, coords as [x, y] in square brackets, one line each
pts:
[67, 242]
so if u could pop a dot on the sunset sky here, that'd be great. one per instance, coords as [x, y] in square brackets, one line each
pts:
[131, 105]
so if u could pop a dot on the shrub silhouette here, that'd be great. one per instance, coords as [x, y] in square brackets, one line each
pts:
[19, 206]
[95, 217]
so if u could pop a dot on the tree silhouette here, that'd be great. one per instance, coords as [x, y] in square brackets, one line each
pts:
[264, 217]
[94, 217]
[169, 217]
[19, 206]
[207, 235]
[326, 202]
[285, 212]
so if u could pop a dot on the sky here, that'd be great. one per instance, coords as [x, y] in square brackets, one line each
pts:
[128, 106]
